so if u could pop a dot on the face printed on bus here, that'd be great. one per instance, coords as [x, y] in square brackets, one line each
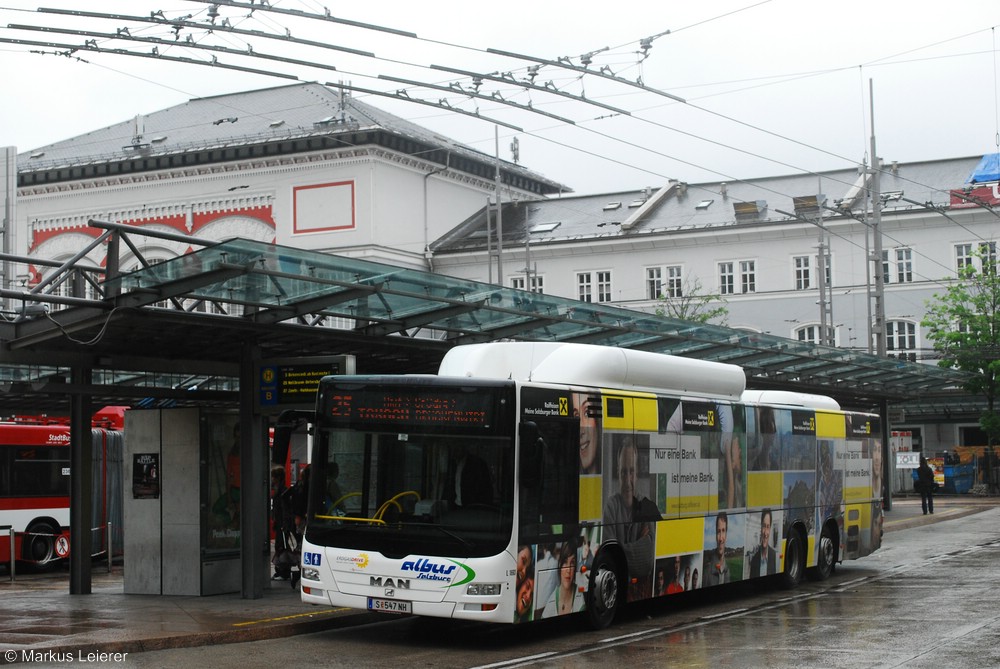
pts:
[524, 594]
[627, 465]
[589, 444]
[765, 529]
[568, 571]
[721, 527]
[523, 562]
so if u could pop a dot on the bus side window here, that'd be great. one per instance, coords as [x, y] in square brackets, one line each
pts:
[554, 500]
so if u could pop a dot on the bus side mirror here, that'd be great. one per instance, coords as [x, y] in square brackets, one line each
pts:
[279, 447]
[532, 445]
[288, 422]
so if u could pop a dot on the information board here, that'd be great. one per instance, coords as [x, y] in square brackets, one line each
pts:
[291, 383]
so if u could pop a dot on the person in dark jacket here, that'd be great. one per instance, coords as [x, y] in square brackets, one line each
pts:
[925, 485]
[281, 518]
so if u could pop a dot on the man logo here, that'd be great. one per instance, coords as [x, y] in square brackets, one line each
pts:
[388, 582]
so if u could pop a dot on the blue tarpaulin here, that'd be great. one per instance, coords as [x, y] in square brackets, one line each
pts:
[988, 169]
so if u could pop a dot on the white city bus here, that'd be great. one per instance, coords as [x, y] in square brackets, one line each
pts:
[530, 480]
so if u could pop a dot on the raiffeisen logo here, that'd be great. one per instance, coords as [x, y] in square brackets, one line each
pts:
[428, 570]
[359, 561]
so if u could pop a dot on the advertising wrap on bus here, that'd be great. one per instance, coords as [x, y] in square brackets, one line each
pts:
[572, 484]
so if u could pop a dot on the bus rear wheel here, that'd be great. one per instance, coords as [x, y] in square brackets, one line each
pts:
[827, 556]
[40, 543]
[604, 594]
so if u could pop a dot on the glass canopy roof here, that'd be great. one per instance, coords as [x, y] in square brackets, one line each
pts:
[276, 284]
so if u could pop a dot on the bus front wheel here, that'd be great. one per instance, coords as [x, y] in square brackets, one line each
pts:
[604, 594]
[794, 560]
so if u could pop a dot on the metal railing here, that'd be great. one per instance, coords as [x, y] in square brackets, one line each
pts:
[109, 549]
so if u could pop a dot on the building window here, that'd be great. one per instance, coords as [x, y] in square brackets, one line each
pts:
[901, 340]
[584, 288]
[537, 283]
[988, 257]
[727, 280]
[604, 286]
[828, 271]
[161, 304]
[963, 256]
[654, 282]
[803, 277]
[748, 276]
[981, 257]
[585, 284]
[813, 334]
[904, 265]
[663, 282]
[674, 282]
[808, 333]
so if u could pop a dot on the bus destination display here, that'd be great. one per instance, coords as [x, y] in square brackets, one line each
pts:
[430, 407]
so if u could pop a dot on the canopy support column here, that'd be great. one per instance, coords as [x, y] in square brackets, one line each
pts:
[81, 485]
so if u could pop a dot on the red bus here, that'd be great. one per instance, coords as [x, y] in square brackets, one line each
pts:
[35, 487]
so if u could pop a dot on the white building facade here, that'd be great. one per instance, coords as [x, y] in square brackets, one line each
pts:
[795, 272]
[302, 166]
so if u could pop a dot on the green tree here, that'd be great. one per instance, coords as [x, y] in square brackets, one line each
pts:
[964, 325]
[693, 305]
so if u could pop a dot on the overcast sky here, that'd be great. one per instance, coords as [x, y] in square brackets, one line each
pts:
[769, 87]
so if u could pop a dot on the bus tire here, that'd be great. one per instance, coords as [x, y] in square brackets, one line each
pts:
[795, 560]
[826, 557]
[604, 596]
[39, 543]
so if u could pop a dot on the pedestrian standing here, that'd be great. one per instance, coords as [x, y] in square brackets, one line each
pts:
[282, 524]
[925, 485]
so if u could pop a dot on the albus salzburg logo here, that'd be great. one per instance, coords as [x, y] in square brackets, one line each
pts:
[428, 570]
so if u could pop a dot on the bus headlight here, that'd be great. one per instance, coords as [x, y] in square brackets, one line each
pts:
[310, 574]
[483, 589]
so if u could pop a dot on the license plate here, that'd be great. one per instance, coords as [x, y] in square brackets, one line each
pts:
[389, 605]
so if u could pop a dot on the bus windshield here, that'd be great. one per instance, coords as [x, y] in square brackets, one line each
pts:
[403, 468]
